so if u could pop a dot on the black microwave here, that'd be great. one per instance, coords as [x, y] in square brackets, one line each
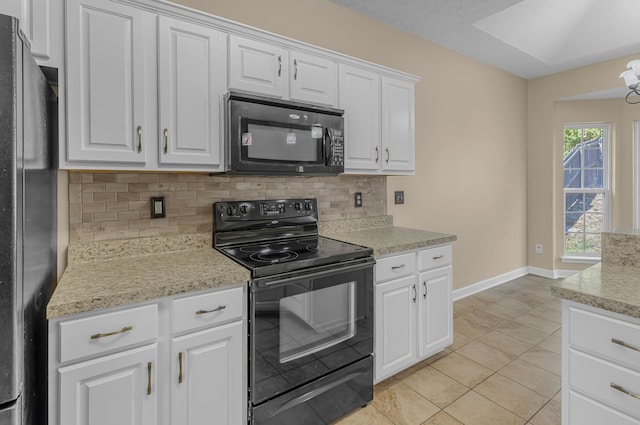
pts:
[272, 136]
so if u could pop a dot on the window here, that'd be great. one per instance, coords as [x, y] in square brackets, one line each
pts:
[586, 188]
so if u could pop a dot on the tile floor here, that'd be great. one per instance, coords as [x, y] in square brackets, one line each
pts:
[502, 369]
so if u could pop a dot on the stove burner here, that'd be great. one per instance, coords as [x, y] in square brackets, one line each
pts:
[268, 256]
[311, 244]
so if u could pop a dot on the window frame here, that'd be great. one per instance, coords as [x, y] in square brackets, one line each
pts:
[606, 191]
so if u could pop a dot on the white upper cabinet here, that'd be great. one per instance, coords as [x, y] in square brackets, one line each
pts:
[111, 69]
[359, 96]
[192, 67]
[38, 20]
[398, 125]
[258, 67]
[379, 122]
[271, 70]
[313, 79]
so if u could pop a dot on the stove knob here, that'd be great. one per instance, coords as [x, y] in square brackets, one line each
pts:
[307, 206]
[243, 209]
[297, 206]
[231, 211]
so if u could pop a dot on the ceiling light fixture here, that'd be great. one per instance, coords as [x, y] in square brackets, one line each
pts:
[632, 80]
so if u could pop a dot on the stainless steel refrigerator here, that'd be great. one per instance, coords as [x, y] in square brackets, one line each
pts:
[28, 236]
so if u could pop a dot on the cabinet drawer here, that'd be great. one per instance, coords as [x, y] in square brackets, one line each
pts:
[614, 339]
[594, 377]
[207, 309]
[100, 333]
[435, 257]
[395, 267]
[583, 410]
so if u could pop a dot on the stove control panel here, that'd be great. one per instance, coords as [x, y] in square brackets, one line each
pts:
[261, 210]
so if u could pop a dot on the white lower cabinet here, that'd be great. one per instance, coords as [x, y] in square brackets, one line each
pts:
[413, 308]
[117, 389]
[206, 374]
[179, 360]
[601, 366]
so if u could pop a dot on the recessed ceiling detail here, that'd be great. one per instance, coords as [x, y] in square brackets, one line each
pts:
[528, 38]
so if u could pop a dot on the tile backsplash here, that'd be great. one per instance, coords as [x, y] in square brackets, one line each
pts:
[115, 205]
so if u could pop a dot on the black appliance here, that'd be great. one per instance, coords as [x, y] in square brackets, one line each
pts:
[28, 235]
[310, 312]
[272, 136]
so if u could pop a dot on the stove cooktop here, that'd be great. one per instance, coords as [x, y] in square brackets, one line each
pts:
[268, 258]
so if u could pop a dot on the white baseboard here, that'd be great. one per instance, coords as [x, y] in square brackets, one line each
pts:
[489, 283]
[551, 274]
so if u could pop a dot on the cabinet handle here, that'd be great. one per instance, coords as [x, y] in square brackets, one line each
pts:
[424, 283]
[439, 257]
[180, 361]
[377, 154]
[401, 266]
[279, 65]
[388, 155]
[220, 307]
[295, 69]
[415, 293]
[166, 141]
[123, 330]
[624, 344]
[625, 391]
[149, 378]
[139, 138]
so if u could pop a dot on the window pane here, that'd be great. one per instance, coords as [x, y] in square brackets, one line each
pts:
[593, 222]
[574, 202]
[593, 202]
[592, 243]
[574, 222]
[574, 243]
[593, 179]
[572, 178]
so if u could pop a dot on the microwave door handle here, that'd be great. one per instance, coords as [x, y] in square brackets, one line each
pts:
[328, 150]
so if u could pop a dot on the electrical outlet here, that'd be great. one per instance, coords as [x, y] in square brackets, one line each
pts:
[358, 199]
[157, 207]
[399, 197]
[538, 248]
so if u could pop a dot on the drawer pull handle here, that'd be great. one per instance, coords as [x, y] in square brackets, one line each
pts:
[166, 141]
[123, 330]
[415, 293]
[388, 155]
[625, 391]
[424, 283]
[624, 344]
[180, 361]
[149, 378]
[400, 267]
[139, 138]
[220, 307]
[377, 154]
[439, 257]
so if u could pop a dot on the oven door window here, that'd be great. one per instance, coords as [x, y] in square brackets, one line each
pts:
[316, 320]
[269, 141]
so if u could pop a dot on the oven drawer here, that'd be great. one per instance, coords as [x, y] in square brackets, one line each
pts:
[208, 309]
[98, 334]
[606, 337]
[606, 382]
[435, 257]
[583, 410]
[395, 267]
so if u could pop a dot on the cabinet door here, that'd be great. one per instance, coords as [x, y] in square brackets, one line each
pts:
[258, 67]
[313, 79]
[207, 377]
[117, 389]
[398, 127]
[192, 61]
[435, 311]
[395, 326]
[111, 81]
[359, 96]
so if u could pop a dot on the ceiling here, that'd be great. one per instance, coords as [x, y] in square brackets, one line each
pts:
[529, 38]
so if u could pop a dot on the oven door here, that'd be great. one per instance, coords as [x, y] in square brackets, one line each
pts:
[308, 326]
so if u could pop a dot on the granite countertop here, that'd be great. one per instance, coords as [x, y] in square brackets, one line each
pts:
[391, 239]
[113, 273]
[612, 285]
[119, 280]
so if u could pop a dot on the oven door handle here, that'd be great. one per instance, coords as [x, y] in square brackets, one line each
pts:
[329, 269]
